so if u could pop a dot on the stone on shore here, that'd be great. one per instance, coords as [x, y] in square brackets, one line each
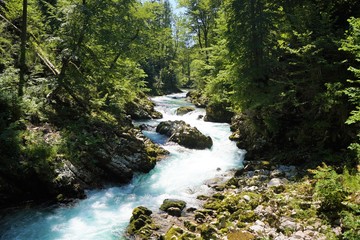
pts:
[141, 224]
[173, 207]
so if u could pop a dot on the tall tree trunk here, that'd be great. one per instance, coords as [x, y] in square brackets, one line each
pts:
[23, 50]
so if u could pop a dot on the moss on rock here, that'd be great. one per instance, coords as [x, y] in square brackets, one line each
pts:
[191, 226]
[247, 216]
[169, 203]
[184, 110]
[142, 108]
[154, 152]
[243, 235]
[141, 224]
[208, 231]
[177, 233]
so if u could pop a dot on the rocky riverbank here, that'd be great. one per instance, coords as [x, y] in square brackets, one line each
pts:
[61, 158]
[260, 201]
[216, 111]
[282, 198]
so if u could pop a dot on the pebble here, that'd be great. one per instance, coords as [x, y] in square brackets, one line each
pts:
[287, 224]
[247, 198]
[274, 182]
[257, 228]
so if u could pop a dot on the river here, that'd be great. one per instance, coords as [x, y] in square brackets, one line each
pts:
[105, 213]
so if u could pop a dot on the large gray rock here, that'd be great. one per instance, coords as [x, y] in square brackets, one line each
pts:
[184, 134]
[114, 162]
[288, 224]
[184, 110]
[136, 154]
[275, 182]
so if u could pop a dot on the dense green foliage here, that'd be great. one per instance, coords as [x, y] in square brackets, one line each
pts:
[339, 196]
[290, 71]
[351, 44]
[284, 66]
[65, 84]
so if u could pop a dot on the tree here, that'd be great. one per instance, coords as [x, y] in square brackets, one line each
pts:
[201, 22]
[252, 25]
[23, 49]
[287, 74]
[158, 52]
[202, 14]
[183, 48]
[352, 44]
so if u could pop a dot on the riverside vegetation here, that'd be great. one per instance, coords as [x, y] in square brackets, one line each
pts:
[285, 73]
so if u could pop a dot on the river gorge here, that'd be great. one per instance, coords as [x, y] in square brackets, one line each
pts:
[105, 213]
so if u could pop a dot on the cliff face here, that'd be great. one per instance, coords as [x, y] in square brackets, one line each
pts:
[57, 162]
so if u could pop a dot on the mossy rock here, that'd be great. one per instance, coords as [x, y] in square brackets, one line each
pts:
[218, 196]
[235, 136]
[172, 203]
[207, 212]
[278, 189]
[208, 231]
[199, 217]
[218, 112]
[184, 110]
[255, 199]
[191, 226]
[213, 204]
[202, 197]
[174, 211]
[239, 214]
[178, 233]
[247, 216]
[197, 98]
[221, 220]
[243, 235]
[154, 152]
[233, 203]
[219, 187]
[137, 212]
[141, 224]
[142, 108]
[232, 182]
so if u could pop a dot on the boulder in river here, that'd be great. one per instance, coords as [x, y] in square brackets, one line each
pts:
[184, 110]
[184, 134]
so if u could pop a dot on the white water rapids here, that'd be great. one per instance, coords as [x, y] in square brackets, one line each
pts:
[105, 213]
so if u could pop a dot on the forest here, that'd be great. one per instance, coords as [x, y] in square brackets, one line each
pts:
[75, 73]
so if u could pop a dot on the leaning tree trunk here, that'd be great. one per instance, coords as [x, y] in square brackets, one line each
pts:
[23, 50]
